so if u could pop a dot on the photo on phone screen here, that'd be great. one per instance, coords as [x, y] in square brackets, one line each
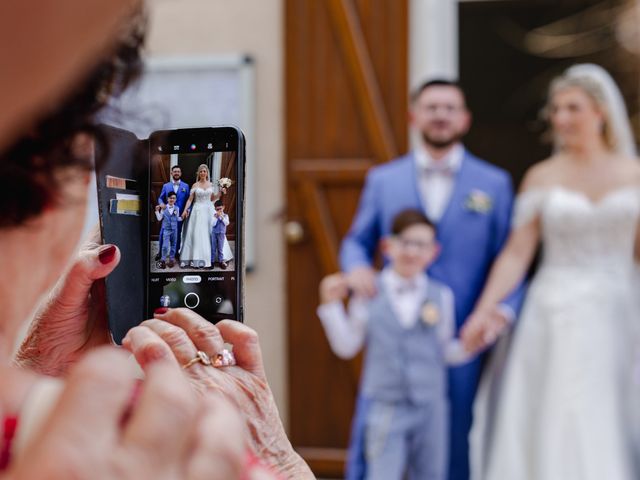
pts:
[195, 221]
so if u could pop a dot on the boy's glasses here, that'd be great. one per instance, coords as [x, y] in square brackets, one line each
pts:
[407, 243]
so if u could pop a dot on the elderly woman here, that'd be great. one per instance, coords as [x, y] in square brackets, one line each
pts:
[97, 420]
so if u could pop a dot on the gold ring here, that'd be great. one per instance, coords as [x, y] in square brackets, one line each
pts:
[200, 357]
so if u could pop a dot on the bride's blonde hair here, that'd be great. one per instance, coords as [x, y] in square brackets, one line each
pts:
[594, 92]
[598, 85]
[202, 166]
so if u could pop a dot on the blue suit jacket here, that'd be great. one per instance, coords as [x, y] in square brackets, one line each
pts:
[470, 241]
[181, 197]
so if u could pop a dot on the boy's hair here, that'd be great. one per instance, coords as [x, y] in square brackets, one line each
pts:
[218, 203]
[408, 218]
[171, 194]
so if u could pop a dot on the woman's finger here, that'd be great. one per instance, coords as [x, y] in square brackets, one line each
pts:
[90, 265]
[162, 423]
[147, 346]
[220, 439]
[204, 335]
[177, 339]
[97, 394]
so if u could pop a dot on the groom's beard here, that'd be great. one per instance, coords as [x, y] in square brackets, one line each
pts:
[442, 142]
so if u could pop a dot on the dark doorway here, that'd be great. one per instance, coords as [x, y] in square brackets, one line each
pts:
[509, 53]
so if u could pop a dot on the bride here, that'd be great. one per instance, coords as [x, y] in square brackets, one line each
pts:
[561, 406]
[196, 241]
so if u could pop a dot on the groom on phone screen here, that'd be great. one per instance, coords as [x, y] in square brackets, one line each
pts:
[181, 189]
[470, 201]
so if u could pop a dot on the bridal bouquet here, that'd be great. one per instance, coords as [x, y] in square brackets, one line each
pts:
[225, 182]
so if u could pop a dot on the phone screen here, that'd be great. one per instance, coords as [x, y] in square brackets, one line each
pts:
[195, 221]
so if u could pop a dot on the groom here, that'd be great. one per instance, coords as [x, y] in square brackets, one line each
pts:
[470, 200]
[181, 189]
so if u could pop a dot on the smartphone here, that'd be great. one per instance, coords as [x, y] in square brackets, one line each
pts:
[170, 258]
[194, 233]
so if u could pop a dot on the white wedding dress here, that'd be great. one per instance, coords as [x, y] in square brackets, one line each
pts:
[560, 402]
[196, 237]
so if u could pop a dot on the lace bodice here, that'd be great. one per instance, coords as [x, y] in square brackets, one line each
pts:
[203, 194]
[578, 232]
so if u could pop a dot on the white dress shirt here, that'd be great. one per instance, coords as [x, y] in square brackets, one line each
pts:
[436, 179]
[346, 332]
[176, 185]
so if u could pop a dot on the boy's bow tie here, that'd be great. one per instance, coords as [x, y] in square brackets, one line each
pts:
[407, 286]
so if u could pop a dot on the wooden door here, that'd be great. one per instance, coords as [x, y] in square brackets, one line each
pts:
[346, 94]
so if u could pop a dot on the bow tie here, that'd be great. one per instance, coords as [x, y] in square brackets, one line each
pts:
[406, 286]
[440, 169]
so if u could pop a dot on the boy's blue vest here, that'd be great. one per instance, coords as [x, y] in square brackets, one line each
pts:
[170, 222]
[403, 364]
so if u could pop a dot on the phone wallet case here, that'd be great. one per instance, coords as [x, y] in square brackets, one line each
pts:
[121, 179]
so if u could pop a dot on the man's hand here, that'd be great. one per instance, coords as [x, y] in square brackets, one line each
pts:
[362, 280]
[73, 319]
[482, 329]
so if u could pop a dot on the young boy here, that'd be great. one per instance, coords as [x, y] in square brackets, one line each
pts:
[169, 215]
[219, 235]
[408, 330]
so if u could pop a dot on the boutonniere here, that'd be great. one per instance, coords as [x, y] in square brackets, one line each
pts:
[430, 314]
[182, 189]
[479, 202]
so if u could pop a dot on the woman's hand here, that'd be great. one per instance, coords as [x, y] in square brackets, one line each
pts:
[482, 328]
[73, 318]
[180, 333]
[99, 429]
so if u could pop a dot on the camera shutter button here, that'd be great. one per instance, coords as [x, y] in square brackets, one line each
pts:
[191, 300]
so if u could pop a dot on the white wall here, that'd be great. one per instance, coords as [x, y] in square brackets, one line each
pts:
[433, 40]
[254, 27]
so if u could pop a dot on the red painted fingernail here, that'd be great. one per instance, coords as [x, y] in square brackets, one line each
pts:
[107, 254]
[160, 311]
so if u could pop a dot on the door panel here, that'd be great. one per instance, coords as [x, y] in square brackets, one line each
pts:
[346, 84]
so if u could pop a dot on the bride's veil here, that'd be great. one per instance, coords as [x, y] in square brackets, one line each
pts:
[619, 124]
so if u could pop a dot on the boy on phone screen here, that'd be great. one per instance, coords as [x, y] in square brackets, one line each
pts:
[169, 215]
[219, 235]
